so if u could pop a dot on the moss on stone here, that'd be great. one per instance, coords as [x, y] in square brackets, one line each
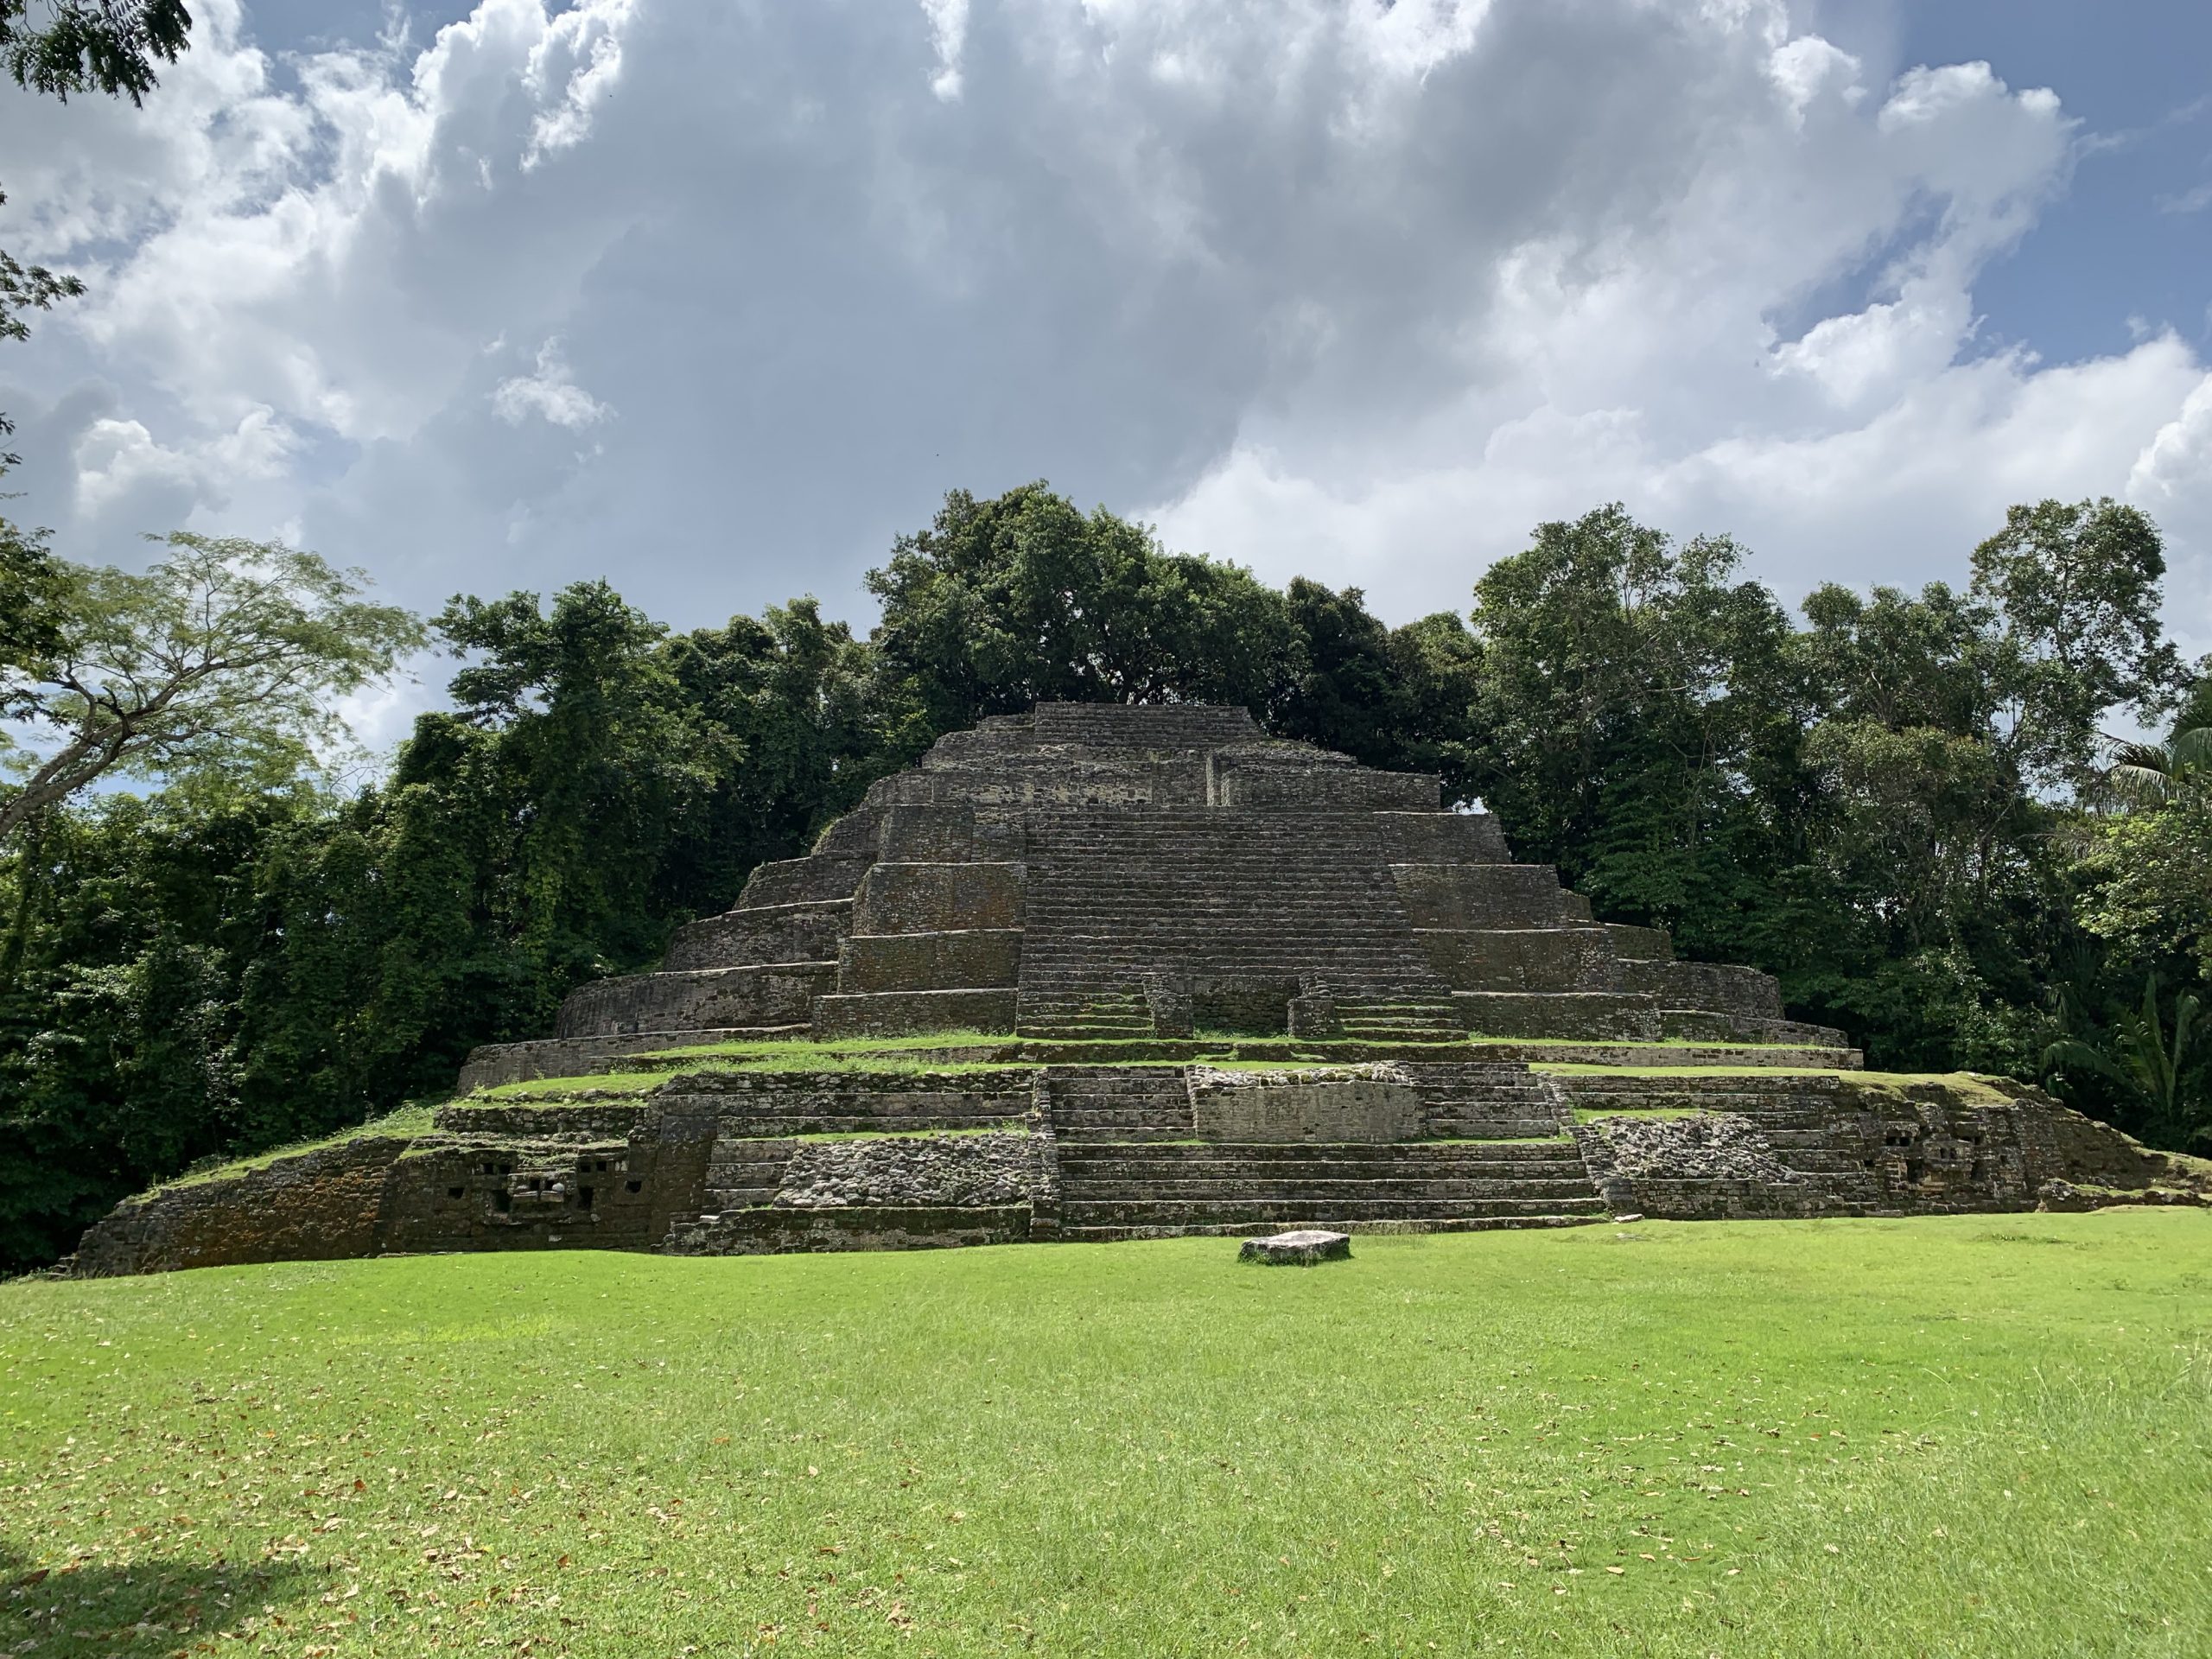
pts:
[410, 1120]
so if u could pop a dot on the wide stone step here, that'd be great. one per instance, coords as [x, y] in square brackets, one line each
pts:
[1080, 1213]
[1122, 1163]
[1208, 1193]
[1106, 1233]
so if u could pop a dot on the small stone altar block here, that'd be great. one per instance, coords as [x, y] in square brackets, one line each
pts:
[1299, 1250]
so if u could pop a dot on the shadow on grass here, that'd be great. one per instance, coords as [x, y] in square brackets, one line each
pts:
[151, 1607]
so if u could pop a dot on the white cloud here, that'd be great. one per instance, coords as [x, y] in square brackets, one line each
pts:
[1356, 290]
[947, 34]
[550, 394]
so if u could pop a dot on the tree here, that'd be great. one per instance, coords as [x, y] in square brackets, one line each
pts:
[1003, 602]
[110, 47]
[2077, 588]
[2176, 772]
[1632, 694]
[31, 588]
[2149, 1066]
[216, 667]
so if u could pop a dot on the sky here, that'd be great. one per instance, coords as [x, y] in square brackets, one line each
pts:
[714, 299]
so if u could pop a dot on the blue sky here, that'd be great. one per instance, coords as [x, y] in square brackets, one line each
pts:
[714, 299]
[2132, 240]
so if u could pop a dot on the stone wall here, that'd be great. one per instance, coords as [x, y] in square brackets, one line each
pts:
[903, 1014]
[1428, 838]
[1480, 895]
[1346, 1105]
[842, 1103]
[939, 898]
[705, 999]
[1578, 958]
[1261, 785]
[969, 959]
[309, 1206]
[965, 1172]
[802, 881]
[772, 933]
[1852, 1145]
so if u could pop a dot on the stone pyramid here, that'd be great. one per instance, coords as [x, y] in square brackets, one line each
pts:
[1091, 870]
[1098, 972]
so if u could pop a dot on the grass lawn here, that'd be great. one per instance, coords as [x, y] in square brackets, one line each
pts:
[1987, 1435]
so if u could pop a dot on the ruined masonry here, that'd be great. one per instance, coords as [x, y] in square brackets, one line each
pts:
[1188, 979]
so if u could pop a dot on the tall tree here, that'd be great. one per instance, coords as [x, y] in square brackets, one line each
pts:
[217, 667]
[1001, 602]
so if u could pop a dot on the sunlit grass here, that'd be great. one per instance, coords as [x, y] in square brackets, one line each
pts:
[1973, 1435]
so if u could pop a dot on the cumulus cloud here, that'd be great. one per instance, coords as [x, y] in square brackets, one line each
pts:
[550, 394]
[1357, 290]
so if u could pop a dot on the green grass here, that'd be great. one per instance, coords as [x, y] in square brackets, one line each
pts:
[1970, 1435]
[827, 1051]
[602, 1086]
[1011, 1126]
[1964, 1081]
[408, 1120]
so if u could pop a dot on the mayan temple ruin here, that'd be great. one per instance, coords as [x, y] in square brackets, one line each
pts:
[1103, 971]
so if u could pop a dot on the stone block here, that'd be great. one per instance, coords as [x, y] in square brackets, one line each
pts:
[1304, 1247]
[1641, 944]
[1259, 786]
[769, 934]
[900, 1013]
[1597, 1015]
[1523, 959]
[950, 834]
[704, 998]
[1425, 837]
[939, 898]
[798, 881]
[928, 962]
[1480, 895]
[1714, 986]
[1342, 1105]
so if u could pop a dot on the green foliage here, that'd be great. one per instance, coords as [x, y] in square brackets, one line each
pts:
[1891, 803]
[1968, 1436]
[2147, 1063]
[1001, 603]
[110, 47]
[119, 1063]
[214, 670]
[32, 586]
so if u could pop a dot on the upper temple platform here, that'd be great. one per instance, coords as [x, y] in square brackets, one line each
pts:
[1090, 870]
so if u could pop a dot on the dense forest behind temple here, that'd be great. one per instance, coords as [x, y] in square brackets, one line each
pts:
[1918, 809]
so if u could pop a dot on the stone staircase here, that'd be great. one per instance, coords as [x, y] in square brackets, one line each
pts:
[1263, 900]
[1123, 1190]
[1080, 1015]
[1488, 1100]
[1119, 1103]
[1404, 1018]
